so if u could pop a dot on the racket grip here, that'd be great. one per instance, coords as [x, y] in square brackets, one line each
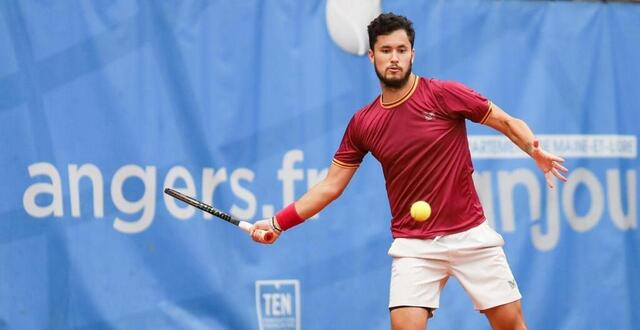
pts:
[265, 235]
[245, 226]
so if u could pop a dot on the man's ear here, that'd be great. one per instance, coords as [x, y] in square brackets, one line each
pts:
[370, 54]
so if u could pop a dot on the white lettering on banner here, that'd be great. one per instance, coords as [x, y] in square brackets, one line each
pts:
[583, 201]
[621, 220]
[243, 193]
[289, 175]
[210, 181]
[180, 210]
[146, 203]
[93, 173]
[54, 189]
[278, 304]
[589, 180]
[567, 146]
[547, 241]
[508, 182]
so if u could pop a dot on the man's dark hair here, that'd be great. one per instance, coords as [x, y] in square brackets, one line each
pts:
[386, 23]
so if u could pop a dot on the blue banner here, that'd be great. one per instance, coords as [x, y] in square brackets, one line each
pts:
[242, 104]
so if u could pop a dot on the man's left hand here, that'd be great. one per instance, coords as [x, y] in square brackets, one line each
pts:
[549, 164]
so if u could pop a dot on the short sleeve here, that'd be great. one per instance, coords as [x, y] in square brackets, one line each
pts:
[350, 152]
[461, 101]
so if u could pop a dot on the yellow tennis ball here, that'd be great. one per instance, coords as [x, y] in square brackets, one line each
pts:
[420, 211]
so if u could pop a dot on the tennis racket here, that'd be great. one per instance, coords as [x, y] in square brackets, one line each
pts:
[245, 226]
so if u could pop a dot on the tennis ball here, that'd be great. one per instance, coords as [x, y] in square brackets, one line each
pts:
[420, 211]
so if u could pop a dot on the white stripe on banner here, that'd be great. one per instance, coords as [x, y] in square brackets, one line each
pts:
[566, 146]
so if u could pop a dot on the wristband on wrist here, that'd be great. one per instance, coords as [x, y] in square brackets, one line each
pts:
[288, 217]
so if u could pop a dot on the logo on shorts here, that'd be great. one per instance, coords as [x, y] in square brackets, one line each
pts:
[512, 284]
[278, 304]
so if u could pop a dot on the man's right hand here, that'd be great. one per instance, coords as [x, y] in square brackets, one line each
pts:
[265, 225]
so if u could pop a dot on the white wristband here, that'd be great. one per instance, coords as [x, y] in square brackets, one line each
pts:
[274, 225]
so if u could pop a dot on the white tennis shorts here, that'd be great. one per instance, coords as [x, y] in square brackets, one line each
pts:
[475, 257]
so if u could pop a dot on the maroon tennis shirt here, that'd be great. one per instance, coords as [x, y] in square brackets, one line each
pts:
[421, 143]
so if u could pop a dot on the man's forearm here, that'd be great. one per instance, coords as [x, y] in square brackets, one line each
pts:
[520, 134]
[316, 199]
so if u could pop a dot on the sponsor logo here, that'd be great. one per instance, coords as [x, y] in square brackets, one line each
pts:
[278, 304]
[429, 115]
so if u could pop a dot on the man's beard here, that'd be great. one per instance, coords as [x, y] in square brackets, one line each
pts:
[395, 83]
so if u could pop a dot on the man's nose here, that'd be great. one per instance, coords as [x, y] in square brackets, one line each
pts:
[394, 57]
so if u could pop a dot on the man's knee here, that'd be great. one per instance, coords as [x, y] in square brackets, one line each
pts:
[409, 317]
[507, 316]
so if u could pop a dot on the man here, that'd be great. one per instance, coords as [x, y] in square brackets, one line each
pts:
[416, 129]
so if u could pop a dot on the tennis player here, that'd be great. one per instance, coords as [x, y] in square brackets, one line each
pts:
[416, 129]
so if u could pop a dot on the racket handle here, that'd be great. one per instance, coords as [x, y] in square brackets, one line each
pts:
[245, 226]
[265, 235]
